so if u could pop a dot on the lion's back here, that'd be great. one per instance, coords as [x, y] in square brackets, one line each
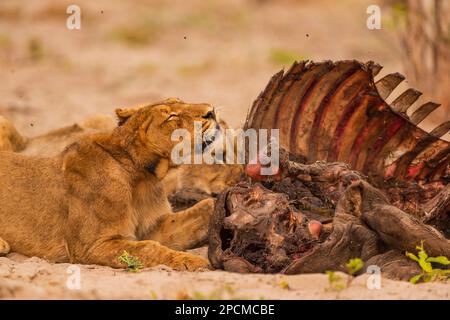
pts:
[31, 203]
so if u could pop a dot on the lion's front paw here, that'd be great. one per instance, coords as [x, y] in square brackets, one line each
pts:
[4, 247]
[208, 205]
[204, 208]
[198, 228]
[190, 262]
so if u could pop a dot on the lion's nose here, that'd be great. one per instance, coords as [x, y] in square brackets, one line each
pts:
[210, 115]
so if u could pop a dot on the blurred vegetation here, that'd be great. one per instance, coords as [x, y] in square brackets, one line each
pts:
[284, 285]
[214, 19]
[197, 19]
[425, 47]
[64, 63]
[354, 265]
[35, 49]
[142, 33]
[397, 17]
[284, 57]
[335, 281]
[6, 48]
[146, 69]
[338, 283]
[194, 68]
[5, 41]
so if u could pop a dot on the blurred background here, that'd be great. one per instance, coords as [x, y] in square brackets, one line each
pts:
[220, 52]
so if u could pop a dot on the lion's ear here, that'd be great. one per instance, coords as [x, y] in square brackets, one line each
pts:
[124, 114]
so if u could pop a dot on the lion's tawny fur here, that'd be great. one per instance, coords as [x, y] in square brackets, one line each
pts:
[103, 194]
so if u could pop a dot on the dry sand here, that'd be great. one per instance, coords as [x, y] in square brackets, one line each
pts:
[34, 278]
[127, 52]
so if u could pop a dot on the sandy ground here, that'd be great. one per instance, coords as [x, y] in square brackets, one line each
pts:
[128, 52]
[31, 278]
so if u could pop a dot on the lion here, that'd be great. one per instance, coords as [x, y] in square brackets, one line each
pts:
[211, 179]
[51, 143]
[103, 194]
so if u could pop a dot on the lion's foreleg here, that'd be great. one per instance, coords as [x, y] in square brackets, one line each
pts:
[185, 229]
[149, 252]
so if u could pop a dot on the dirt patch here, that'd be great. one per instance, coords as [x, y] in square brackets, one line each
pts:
[34, 278]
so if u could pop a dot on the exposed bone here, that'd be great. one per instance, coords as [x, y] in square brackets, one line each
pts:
[423, 111]
[376, 68]
[440, 130]
[395, 227]
[388, 83]
[331, 111]
[405, 100]
[265, 96]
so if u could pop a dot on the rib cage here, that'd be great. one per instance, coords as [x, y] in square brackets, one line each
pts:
[336, 112]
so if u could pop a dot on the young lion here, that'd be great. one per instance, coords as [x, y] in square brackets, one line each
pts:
[103, 195]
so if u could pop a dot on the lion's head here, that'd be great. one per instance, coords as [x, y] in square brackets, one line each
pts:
[146, 131]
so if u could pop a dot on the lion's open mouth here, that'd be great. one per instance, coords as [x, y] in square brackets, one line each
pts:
[206, 143]
[210, 135]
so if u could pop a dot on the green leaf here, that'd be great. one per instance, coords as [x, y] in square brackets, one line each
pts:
[441, 272]
[428, 274]
[422, 255]
[354, 265]
[332, 277]
[441, 260]
[412, 256]
[426, 266]
[133, 263]
[284, 285]
[336, 281]
[420, 248]
[415, 279]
